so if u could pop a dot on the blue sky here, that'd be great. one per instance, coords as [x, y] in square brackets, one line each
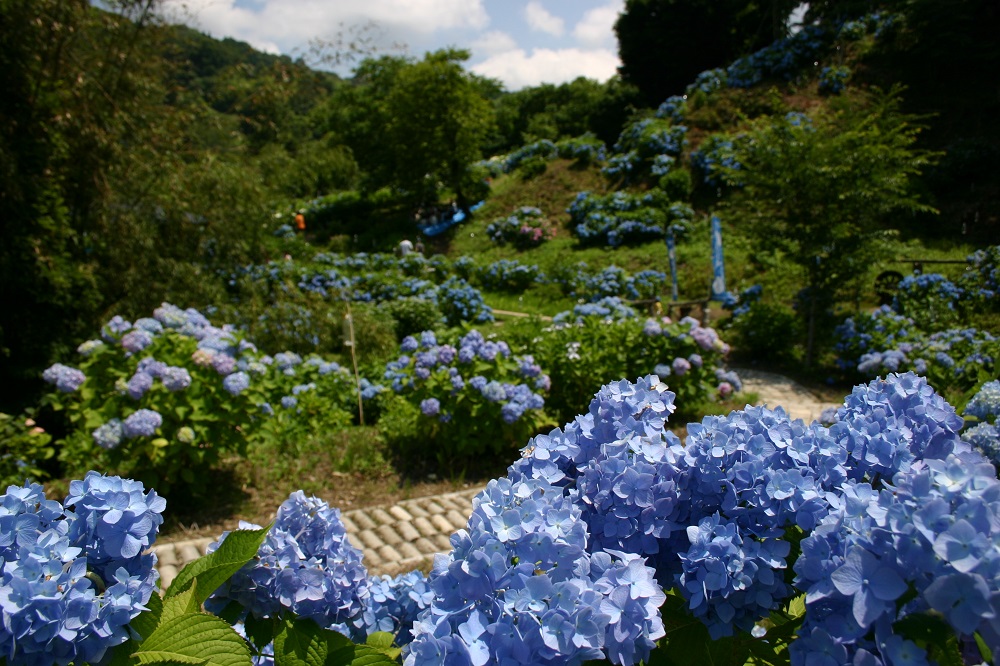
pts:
[520, 42]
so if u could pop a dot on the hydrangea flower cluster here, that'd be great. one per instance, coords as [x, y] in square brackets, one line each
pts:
[306, 565]
[432, 375]
[619, 217]
[526, 227]
[520, 586]
[885, 341]
[985, 408]
[65, 378]
[932, 531]
[72, 575]
[395, 603]
[509, 275]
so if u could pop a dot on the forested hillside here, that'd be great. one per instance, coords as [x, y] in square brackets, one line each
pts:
[141, 160]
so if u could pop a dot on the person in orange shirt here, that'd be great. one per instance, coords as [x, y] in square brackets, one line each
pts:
[300, 222]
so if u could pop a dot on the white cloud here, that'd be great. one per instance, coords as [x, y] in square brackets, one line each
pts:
[287, 24]
[541, 20]
[517, 69]
[596, 28]
[493, 42]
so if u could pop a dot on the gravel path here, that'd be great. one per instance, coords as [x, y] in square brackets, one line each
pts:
[405, 536]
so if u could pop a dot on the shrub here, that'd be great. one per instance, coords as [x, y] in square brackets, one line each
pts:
[931, 300]
[620, 218]
[579, 356]
[413, 315]
[465, 403]
[508, 275]
[166, 398]
[524, 228]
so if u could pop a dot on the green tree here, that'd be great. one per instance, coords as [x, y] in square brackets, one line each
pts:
[415, 126]
[665, 44]
[824, 189]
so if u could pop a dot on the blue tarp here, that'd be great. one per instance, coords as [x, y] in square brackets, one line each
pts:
[446, 224]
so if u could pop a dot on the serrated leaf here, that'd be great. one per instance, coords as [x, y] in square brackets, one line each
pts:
[380, 639]
[181, 604]
[216, 568]
[797, 606]
[169, 658]
[304, 643]
[368, 656]
[194, 638]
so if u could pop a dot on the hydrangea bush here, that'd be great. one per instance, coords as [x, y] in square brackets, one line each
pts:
[761, 538]
[509, 275]
[685, 354]
[885, 341]
[164, 398]
[620, 218]
[582, 282]
[526, 227]
[474, 398]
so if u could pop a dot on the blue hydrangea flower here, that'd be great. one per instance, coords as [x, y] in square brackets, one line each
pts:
[236, 383]
[141, 423]
[138, 384]
[109, 435]
[306, 565]
[65, 378]
[74, 576]
[430, 406]
[175, 378]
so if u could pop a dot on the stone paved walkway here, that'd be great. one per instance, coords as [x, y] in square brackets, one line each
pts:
[405, 536]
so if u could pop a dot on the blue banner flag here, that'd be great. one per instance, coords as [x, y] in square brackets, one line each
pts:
[718, 266]
[672, 256]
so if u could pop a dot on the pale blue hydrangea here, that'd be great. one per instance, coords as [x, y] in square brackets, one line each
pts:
[136, 340]
[73, 577]
[65, 378]
[175, 378]
[236, 383]
[139, 384]
[307, 566]
[141, 423]
[109, 435]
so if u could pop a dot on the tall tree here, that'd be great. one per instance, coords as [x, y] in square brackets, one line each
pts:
[416, 126]
[665, 44]
[823, 189]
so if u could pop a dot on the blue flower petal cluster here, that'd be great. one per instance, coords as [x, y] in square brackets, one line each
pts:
[72, 576]
[985, 404]
[306, 565]
[395, 603]
[933, 532]
[519, 586]
[65, 378]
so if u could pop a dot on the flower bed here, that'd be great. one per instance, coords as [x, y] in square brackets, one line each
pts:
[166, 397]
[872, 540]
